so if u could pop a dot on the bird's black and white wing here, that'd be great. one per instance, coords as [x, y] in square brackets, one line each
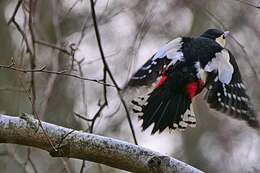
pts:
[227, 93]
[153, 68]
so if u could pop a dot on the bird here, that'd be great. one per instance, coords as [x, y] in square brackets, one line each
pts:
[182, 69]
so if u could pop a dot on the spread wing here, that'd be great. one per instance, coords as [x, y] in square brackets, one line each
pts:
[222, 64]
[153, 68]
[227, 93]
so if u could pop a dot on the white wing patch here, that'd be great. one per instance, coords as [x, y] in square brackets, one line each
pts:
[167, 55]
[171, 50]
[222, 65]
[201, 74]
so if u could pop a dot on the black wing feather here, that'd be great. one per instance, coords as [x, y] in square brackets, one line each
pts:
[231, 98]
[149, 72]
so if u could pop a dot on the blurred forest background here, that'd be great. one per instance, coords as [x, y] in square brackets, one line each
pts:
[58, 36]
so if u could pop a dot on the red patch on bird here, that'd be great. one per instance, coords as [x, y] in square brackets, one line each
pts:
[194, 88]
[161, 82]
[201, 84]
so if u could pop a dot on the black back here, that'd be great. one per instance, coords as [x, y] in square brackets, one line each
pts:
[212, 34]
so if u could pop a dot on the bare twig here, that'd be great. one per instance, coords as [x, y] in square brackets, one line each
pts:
[100, 44]
[82, 166]
[82, 117]
[62, 73]
[15, 12]
[95, 117]
[248, 59]
[72, 50]
[248, 3]
[29, 160]
[65, 165]
[11, 152]
[49, 86]
[108, 57]
[92, 120]
[72, 6]
[84, 101]
[84, 28]
[32, 4]
[12, 20]
[139, 36]
[83, 89]
[107, 69]
[54, 63]
[53, 46]
[32, 95]
[36, 115]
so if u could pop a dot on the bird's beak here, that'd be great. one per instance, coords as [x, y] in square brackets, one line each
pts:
[226, 33]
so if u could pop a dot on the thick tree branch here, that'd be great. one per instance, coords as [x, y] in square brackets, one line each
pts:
[75, 144]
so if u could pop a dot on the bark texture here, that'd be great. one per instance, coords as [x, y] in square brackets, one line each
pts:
[76, 144]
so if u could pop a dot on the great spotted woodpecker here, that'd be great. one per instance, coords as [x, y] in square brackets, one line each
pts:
[182, 69]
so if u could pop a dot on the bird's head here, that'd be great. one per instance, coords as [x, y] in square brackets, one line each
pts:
[217, 35]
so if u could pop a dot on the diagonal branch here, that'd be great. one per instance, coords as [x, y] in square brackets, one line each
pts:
[75, 144]
[107, 69]
[248, 3]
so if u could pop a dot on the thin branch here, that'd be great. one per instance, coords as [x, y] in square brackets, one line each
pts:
[82, 166]
[29, 160]
[107, 69]
[12, 20]
[32, 5]
[248, 3]
[53, 46]
[84, 28]
[83, 88]
[54, 63]
[72, 50]
[70, 9]
[92, 120]
[31, 95]
[36, 115]
[11, 152]
[86, 146]
[248, 59]
[65, 166]
[82, 117]
[15, 12]
[108, 57]
[48, 92]
[144, 26]
[106, 66]
[95, 117]
[84, 102]
[62, 73]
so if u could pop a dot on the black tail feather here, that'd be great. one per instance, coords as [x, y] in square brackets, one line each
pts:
[164, 109]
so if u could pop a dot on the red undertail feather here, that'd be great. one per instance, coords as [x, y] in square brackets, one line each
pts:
[161, 82]
[193, 88]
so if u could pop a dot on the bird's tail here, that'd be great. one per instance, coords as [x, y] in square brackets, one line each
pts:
[165, 109]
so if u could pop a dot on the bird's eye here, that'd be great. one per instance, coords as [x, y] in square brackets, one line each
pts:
[223, 36]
